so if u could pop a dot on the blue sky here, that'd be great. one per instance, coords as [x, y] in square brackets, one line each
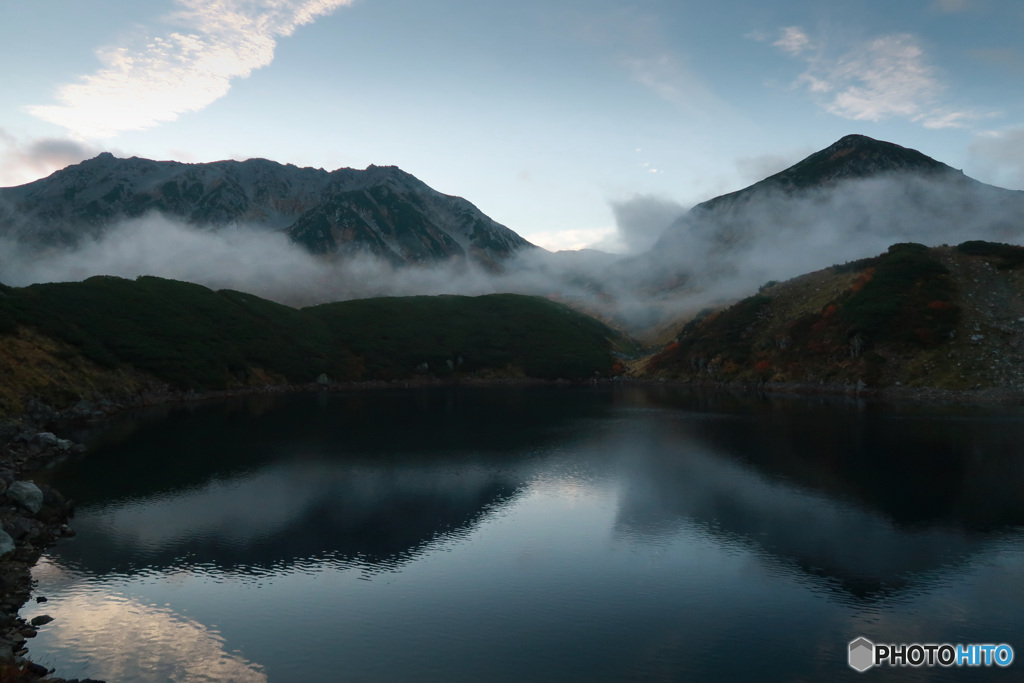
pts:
[551, 116]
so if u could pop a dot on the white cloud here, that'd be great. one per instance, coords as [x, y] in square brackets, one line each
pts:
[793, 40]
[888, 77]
[640, 221]
[180, 70]
[884, 78]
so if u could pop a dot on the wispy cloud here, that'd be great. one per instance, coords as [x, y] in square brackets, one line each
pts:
[24, 161]
[640, 46]
[887, 77]
[793, 40]
[670, 79]
[181, 70]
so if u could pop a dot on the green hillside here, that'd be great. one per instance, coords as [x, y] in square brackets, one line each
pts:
[191, 337]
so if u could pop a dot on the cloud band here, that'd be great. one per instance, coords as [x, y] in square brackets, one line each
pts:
[181, 70]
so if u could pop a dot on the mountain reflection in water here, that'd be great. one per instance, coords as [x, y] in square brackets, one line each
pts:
[712, 516]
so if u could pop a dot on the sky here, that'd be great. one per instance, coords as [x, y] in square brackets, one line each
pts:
[577, 123]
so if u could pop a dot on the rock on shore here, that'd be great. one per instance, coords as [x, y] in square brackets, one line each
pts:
[32, 516]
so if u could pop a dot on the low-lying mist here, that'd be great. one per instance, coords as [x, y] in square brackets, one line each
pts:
[704, 258]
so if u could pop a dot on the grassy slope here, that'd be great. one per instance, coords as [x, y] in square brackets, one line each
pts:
[943, 317]
[191, 337]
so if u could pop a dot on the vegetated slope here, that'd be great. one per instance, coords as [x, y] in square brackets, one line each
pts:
[190, 337]
[945, 317]
[508, 334]
[381, 210]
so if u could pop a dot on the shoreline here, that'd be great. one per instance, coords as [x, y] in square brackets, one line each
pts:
[33, 517]
[27, 445]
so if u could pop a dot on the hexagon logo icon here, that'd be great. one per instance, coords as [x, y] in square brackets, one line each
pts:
[862, 654]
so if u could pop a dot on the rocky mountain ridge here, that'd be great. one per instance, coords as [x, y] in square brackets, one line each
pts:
[381, 210]
[947, 318]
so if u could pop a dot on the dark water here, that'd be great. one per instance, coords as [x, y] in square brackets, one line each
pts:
[551, 534]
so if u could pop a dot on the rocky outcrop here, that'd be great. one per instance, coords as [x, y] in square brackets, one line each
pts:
[32, 516]
[27, 495]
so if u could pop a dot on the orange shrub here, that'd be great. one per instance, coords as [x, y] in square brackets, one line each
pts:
[862, 279]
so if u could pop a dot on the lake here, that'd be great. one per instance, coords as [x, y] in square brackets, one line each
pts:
[578, 533]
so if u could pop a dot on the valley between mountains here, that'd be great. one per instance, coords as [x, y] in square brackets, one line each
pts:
[931, 298]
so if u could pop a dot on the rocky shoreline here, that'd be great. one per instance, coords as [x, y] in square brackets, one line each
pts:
[32, 517]
[887, 394]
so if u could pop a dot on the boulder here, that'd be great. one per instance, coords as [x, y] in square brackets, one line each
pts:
[23, 527]
[46, 439]
[27, 495]
[36, 669]
[84, 407]
[6, 543]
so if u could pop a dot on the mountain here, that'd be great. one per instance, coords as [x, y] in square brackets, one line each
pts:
[850, 200]
[851, 157]
[917, 317]
[380, 210]
[869, 186]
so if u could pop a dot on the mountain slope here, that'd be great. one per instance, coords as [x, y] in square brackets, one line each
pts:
[381, 210]
[850, 200]
[853, 157]
[944, 317]
[78, 335]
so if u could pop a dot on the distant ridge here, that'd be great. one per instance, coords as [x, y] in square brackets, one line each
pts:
[908, 188]
[381, 210]
[849, 158]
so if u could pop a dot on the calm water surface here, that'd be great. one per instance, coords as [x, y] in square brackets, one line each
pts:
[550, 534]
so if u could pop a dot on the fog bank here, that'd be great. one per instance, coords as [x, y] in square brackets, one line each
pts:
[703, 258]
